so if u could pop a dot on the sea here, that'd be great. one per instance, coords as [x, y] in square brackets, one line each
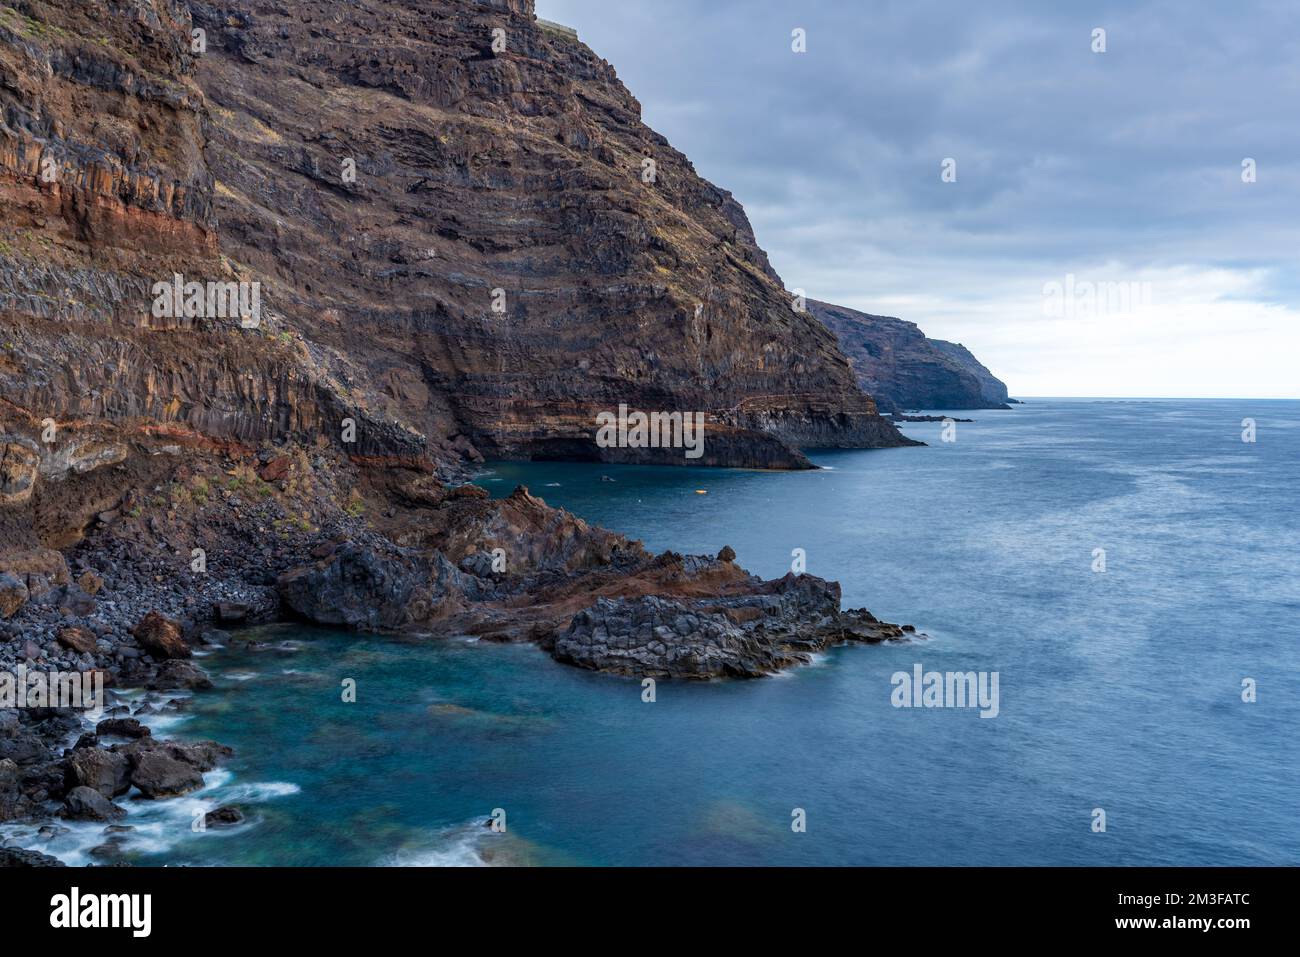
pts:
[1126, 567]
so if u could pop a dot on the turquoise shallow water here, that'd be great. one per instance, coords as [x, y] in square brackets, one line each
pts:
[1118, 690]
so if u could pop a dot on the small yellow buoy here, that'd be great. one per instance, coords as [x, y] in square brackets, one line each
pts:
[700, 491]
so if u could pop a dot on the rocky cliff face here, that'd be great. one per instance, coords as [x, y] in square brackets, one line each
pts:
[902, 369]
[463, 242]
[993, 389]
[461, 230]
[460, 239]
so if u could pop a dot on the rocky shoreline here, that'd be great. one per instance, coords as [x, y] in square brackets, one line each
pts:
[480, 268]
[402, 550]
[60, 765]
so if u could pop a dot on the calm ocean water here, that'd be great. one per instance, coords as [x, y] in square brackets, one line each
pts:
[1118, 690]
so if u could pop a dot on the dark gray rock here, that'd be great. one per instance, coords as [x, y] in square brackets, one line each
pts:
[759, 632]
[107, 772]
[122, 728]
[17, 857]
[225, 816]
[364, 588]
[159, 775]
[87, 804]
[12, 803]
[179, 674]
[230, 613]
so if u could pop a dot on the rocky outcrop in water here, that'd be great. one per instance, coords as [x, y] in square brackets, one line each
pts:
[776, 625]
[903, 369]
[360, 587]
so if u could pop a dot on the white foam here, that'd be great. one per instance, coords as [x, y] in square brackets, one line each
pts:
[161, 722]
[156, 826]
[459, 846]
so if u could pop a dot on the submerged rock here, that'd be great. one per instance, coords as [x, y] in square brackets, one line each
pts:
[225, 816]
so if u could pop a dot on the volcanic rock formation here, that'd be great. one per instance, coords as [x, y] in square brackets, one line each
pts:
[903, 369]
[460, 230]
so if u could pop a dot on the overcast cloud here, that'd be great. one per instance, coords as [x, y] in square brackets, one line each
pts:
[1123, 166]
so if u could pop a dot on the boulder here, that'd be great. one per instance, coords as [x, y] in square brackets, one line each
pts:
[203, 755]
[87, 804]
[200, 755]
[276, 469]
[230, 613]
[13, 594]
[180, 674]
[21, 746]
[225, 816]
[17, 857]
[11, 796]
[107, 772]
[77, 639]
[40, 569]
[160, 775]
[357, 586]
[122, 728]
[90, 582]
[160, 637]
[423, 490]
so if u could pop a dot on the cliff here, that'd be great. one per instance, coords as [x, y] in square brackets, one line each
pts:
[903, 369]
[466, 240]
[993, 389]
[418, 233]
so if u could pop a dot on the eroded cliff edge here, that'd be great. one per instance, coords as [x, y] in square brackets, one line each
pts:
[455, 243]
[903, 368]
[162, 473]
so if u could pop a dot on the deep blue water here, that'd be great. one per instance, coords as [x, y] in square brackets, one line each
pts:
[1118, 690]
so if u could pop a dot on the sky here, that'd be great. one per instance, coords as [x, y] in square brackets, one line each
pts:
[1099, 237]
